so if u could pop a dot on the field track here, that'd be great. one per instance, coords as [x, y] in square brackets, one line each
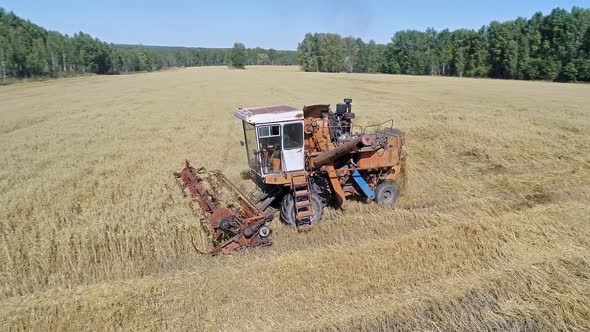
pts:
[492, 232]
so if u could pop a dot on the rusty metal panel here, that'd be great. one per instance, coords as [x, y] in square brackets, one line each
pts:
[385, 157]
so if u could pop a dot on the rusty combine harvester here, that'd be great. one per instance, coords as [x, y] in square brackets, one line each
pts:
[301, 161]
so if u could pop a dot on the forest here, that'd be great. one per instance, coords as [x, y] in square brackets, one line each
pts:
[555, 47]
[28, 50]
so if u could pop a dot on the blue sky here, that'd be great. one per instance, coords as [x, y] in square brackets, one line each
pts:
[269, 24]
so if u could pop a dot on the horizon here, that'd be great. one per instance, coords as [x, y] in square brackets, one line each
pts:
[133, 21]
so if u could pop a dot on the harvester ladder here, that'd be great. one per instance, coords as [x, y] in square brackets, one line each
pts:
[302, 198]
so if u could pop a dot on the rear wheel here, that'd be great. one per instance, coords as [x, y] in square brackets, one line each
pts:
[386, 193]
[288, 210]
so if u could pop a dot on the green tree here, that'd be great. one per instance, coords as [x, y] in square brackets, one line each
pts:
[503, 50]
[375, 57]
[272, 56]
[444, 50]
[36, 60]
[5, 57]
[238, 56]
[308, 53]
[409, 49]
[550, 70]
[352, 61]
[570, 72]
[331, 53]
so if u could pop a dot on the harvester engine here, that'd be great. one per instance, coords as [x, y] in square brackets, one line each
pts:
[341, 121]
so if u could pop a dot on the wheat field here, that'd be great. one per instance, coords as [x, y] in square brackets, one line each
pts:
[491, 233]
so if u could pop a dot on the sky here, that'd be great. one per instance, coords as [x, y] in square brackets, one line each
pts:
[264, 23]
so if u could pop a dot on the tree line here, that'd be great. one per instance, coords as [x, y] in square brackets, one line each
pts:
[171, 56]
[28, 50]
[554, 47]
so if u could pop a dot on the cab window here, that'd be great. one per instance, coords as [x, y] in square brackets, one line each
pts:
[269, 131]
[293, 136]
[269, 138]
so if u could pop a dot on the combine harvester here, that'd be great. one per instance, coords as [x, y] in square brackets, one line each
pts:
[301, 161]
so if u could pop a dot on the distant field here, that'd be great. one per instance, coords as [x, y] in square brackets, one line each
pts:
[493, 231]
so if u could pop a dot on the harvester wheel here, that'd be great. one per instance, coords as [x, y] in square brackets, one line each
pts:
[386, 193]
[288, 210]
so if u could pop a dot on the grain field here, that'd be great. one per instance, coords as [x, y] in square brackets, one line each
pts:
[491, 233]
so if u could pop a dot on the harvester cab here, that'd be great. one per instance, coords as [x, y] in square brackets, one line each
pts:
[274, 139]
[302, 159]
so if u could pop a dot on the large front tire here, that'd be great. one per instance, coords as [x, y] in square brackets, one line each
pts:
[288, 210]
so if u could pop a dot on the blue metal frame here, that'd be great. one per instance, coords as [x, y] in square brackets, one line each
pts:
[356, 176]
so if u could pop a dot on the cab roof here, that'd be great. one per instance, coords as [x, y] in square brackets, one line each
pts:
[269, 114]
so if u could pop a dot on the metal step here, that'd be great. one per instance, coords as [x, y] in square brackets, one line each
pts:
[301, 193]
[305, 228]
[303, 204]
[305, 214]
[303, 209]
[300, 186]
[299, 179]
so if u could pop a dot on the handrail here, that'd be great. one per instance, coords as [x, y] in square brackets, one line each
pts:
[363, 130]
[378, 125]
